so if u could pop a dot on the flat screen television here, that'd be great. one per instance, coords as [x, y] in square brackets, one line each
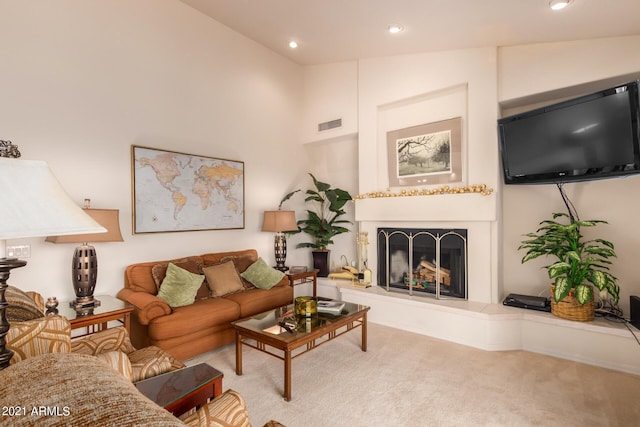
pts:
[590, 137]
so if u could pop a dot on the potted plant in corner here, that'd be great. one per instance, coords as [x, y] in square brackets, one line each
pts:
[324, 220]
[580, 264]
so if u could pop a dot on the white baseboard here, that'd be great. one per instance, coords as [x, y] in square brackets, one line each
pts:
[494, 327]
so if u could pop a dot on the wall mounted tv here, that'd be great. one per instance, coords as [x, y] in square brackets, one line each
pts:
[591, 137]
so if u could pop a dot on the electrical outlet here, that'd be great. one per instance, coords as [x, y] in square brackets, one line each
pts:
[19, 251]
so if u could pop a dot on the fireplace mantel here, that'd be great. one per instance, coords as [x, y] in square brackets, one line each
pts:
[444, 207]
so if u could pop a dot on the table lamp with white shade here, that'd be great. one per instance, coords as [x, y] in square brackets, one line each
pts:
[33, 205]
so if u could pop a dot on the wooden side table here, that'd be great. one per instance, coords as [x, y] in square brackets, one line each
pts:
[304, 277]
[96, 319]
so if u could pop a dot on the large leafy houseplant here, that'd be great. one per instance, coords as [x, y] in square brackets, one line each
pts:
[324, 214]
[579, 261]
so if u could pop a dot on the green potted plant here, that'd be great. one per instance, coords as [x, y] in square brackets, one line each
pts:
[325, 220]
[580, 264]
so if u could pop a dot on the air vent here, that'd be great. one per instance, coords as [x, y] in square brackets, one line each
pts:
[332, 124]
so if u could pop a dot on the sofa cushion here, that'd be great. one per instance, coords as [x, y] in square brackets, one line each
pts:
[228, 409]
[261, 275]
[223, 278]
[118, 361]
[51, 334]
[179, 286]
[21, 306]
[242, 262]
[258, 300]
[112, 339]
[83, 386]
[214, 258]
[191, 319]
[151, 361]
[159, 272]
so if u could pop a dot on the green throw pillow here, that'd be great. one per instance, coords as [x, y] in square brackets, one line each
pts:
[179, 286]
[261, 275]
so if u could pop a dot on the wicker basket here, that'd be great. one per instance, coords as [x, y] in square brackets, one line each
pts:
[569, 308]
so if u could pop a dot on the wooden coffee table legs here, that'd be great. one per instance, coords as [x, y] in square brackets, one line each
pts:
[287, 375]
[238, 353]
[364, 331]
[264, 341]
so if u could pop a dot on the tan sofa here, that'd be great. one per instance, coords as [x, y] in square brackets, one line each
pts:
[204, 325]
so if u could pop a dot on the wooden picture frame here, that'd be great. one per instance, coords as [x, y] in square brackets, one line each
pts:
[174, 191]
[426, 154]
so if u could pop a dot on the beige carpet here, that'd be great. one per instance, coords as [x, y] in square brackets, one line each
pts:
[405, 379]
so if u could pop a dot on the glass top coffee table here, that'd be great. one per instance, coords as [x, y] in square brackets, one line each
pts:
[264, 332]
[181, 390]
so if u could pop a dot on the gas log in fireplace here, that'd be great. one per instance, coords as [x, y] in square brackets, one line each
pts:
[423, 261]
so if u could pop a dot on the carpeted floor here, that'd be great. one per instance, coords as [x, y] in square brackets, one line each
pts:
[406, 379]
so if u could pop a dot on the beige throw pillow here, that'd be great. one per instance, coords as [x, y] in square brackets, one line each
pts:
[242, 262]
[223, 278]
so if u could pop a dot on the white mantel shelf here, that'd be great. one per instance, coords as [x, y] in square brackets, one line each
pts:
[494, 327]
[442, 207]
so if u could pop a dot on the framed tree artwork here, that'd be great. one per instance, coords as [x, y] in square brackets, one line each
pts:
[426, 154]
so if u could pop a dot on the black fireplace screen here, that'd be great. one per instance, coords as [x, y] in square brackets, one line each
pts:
[427, 261]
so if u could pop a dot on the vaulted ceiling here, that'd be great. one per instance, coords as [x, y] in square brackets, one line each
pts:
[342, 30]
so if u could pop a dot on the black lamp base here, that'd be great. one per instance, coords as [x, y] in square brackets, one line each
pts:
[280, 250]
[84, 273]
[6, 265]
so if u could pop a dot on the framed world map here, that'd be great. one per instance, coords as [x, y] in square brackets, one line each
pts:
[175, 191]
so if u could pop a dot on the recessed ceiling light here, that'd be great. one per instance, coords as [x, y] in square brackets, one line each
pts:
[559, 4]
[394, 29]
[293, 44]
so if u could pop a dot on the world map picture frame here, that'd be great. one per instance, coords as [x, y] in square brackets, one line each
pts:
[174, 191]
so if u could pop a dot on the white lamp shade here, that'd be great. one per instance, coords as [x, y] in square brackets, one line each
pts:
[35, 205]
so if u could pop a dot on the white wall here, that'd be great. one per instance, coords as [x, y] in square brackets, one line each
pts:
[549, 69]
[330, 93]
[82, 81]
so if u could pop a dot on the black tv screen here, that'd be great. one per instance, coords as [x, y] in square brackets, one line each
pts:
[591, 137]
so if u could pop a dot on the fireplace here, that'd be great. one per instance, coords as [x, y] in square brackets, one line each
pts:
[429, 262]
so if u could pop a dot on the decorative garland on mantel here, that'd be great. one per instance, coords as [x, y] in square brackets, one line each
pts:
[467, 189]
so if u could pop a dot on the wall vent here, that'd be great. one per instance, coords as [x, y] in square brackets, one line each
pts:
[332, 124]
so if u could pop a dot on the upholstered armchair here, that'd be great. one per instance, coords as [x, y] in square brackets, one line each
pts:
[32, 334]
[110, 344]
[78, 390]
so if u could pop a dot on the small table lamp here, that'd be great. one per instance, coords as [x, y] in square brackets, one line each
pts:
[279, 222]
[33, 205]
[84, 267]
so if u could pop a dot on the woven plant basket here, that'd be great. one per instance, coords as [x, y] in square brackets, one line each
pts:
[569, 308]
